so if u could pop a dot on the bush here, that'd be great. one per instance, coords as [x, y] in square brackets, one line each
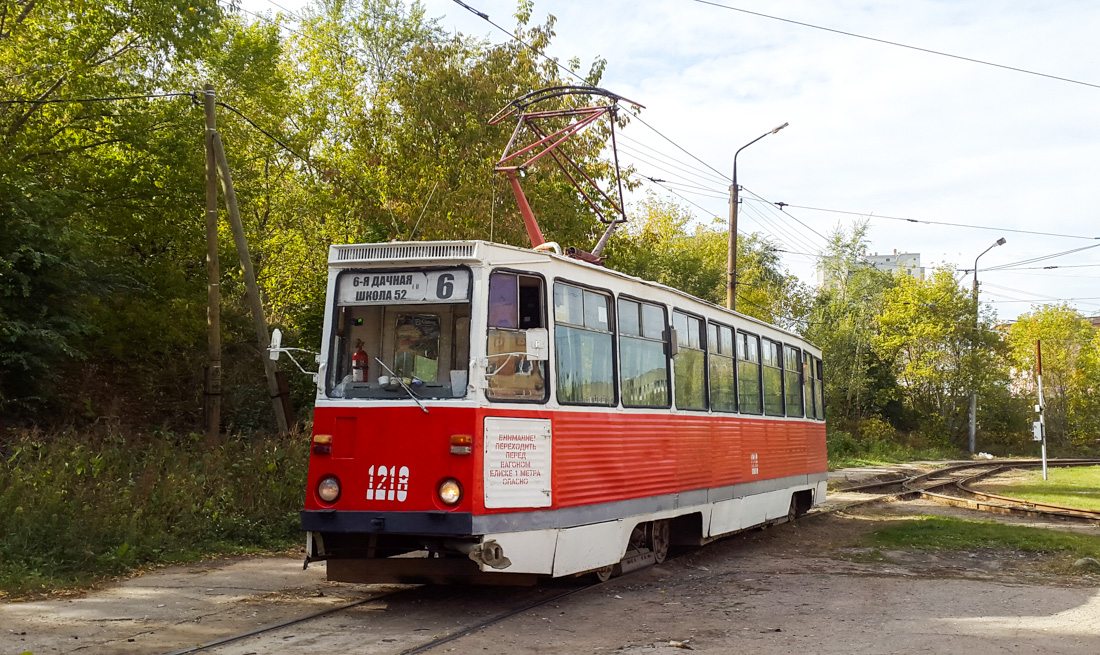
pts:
[74, 508]
[877, 442]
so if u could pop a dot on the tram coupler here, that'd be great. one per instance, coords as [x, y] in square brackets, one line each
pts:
[488, 553]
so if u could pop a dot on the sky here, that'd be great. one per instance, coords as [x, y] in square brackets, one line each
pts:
[876, 130]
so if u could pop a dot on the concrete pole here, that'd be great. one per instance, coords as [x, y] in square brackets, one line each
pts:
[731, 257]
[973, 423]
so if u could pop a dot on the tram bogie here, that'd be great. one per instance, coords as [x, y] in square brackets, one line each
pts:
[492, 413]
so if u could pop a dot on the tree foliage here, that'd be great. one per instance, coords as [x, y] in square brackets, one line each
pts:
[1071, 371]
[363, 120]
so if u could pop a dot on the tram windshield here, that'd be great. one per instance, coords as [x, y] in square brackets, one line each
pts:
[400, 332]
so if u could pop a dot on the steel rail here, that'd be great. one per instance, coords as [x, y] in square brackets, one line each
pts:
[982, 501]
[422, 648]
[222, 641]
[485, 623]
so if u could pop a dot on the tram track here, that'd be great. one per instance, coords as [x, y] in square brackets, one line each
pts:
[520, 607]
[952, 485]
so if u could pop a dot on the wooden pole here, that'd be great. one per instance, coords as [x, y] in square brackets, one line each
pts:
[259, 321]
[212, 387]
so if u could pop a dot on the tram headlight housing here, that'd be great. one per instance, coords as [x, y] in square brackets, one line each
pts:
[450, 491]
[328, 489]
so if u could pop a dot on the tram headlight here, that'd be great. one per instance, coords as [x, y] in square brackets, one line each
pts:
[328, 489]
[450, 492]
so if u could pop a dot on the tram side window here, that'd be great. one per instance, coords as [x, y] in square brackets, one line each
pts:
[773, 378]
[808, 388]
[819, 391]
[584, 360]
[643, 360]
[690, 362]
[720, 368]
[748, 374]
[516, 303]
[792, 380]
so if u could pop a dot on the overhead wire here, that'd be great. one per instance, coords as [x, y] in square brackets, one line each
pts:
[703, 173]
[54, 101]
[782, 209]
[900, 45]
[945, 223]
[1041, 258]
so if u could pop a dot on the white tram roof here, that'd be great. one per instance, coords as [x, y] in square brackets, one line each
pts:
[423, 253]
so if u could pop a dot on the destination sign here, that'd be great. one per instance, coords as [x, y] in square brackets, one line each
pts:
[404, 287]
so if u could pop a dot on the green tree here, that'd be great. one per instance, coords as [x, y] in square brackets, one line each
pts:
[80, 179]
[926, 330]
[859, 383]
[1071, 371]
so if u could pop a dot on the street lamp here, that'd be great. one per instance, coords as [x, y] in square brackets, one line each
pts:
[731, 260]
[974, 385]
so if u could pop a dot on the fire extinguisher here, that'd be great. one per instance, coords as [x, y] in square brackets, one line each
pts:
[359, 363]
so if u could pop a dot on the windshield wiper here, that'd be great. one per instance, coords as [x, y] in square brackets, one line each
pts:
[394, 376]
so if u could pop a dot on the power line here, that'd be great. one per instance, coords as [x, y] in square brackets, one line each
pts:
[782, 208]
[700, 171]
[54, 101]
[901, 45]
[555, 62]
[946, 223]
[266, 133]
[655, 160]
[1042, 257]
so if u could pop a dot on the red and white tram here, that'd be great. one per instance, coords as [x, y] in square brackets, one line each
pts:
[487, 412]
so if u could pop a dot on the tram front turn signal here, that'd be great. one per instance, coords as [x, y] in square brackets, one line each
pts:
[462, 444]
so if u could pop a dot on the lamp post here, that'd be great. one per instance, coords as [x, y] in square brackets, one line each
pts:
[731, 260]
[974, 386]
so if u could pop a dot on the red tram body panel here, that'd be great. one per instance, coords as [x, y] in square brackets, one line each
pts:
[529, 415]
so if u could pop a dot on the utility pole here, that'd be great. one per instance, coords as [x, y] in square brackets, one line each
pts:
[212, 383]
[731, 257]
[259, 321]
[1041, 424]
[972, 427]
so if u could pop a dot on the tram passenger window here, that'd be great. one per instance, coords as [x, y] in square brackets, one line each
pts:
[808, 384]
[643, 362]
[690, 362]
[792, 380]
[748, 374]
[515, 304]
[720, 362]
[819, 391]
[773, 378]
[584, 350]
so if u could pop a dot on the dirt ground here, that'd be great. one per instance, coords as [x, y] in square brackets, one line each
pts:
[807, 587]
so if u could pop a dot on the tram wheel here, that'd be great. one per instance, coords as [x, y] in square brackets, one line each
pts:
[792, 513]
[660, 536]
[604, 574]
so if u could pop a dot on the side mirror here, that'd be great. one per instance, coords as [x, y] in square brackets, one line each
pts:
[275, 348]
[538, 344]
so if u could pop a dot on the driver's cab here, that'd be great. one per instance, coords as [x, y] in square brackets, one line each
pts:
[396, 331]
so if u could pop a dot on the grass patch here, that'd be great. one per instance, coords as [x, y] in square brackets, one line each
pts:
[1072, 487]
[75, 508]
[942, 533]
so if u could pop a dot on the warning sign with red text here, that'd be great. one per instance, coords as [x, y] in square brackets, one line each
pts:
[517, 462]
